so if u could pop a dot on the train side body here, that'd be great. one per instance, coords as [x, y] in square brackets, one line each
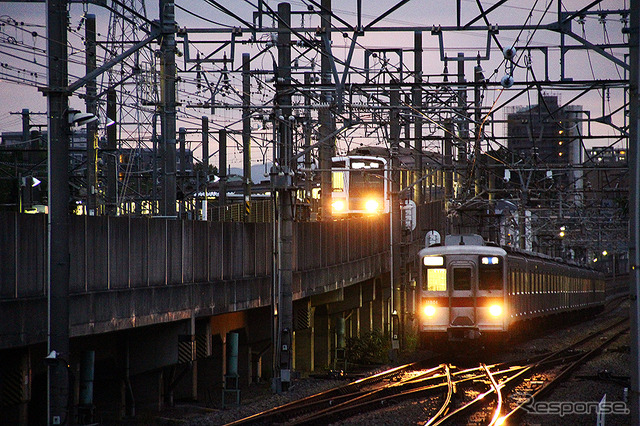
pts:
[471, 289]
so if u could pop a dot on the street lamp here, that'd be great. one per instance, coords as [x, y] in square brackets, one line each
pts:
[77, 118]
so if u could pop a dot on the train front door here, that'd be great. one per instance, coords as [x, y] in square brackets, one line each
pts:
[462, 300]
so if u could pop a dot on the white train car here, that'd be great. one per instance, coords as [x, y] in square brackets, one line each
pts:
[470, 289]
[359, 185]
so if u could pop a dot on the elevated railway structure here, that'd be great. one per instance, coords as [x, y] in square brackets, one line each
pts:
[153, 302]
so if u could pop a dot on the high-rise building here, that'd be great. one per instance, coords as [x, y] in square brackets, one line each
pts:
[548, 137]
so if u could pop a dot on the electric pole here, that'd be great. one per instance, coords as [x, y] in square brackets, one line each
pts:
[58, 218]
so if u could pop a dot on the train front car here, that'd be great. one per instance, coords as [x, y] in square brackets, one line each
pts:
[462, 290]
[359, 185]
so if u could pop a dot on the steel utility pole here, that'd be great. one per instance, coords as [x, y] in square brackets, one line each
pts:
[246, 133]
[634, 206]
[182, 138]
[112, 156]
[91, 103]
[395, 311]
[417, 104]
[205, 166]
[325, 118]
[58, 218]
[463, 124]
[222, 168]
[168, 106]
[307, 144]
[282, 183]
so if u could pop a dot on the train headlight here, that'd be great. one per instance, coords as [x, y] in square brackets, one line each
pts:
[338, 205]
[495, 310]
[371, 206]
[429, 310]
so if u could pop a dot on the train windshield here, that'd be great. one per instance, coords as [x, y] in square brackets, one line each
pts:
[366, 181]
[434, 279]
[462, 279]
[337, 176]
[490, 275]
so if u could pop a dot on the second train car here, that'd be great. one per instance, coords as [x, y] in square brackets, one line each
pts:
[470, 289]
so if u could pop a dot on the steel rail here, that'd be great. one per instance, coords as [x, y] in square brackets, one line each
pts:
[496, 388]
[390, 395]
[447, 401]
[295, 407]
[514, 414]
[362, 399]
[549, 359]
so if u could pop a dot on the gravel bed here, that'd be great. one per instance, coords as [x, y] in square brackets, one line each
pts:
[580, 388]
[254, 399]
[583, 386]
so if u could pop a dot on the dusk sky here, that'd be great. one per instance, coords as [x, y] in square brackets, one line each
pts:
[22, 44]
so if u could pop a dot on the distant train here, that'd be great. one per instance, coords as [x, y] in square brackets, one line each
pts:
[359, 185]
[469, 289]
[360, 179]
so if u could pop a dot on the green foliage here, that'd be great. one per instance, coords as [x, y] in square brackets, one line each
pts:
[370, 348]
[212, 171]
[411, 341]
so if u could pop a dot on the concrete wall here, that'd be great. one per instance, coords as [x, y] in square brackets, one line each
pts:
[131, 272]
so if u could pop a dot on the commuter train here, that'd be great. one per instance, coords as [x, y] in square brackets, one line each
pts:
[360, 179]
[470, 289]
[359, 185]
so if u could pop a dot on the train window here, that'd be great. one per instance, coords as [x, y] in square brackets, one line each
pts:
[434, 279]
[490, 275]
[461, 279]
[337, 178]
[519, 282]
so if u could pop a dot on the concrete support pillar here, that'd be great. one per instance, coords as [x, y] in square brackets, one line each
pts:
[25, 372]
[379, 308]
[160, 390]
[340, 330]
[206, 366]
[322, 339]
[244, 363]
[303, 350]
[256, 366]
[194, 362]
[303, 344]
[366, 317]
[15, 372]
[355, 323]
[223, 354]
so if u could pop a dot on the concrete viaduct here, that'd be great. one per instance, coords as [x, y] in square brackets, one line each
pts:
[153, 301]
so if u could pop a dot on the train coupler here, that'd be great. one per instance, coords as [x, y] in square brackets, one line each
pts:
[463, 333]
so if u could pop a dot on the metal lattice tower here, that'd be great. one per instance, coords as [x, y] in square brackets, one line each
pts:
[135, 82]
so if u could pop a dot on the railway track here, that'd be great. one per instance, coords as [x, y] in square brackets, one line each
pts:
[487, 394]
[332, 397]
[508, 394]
